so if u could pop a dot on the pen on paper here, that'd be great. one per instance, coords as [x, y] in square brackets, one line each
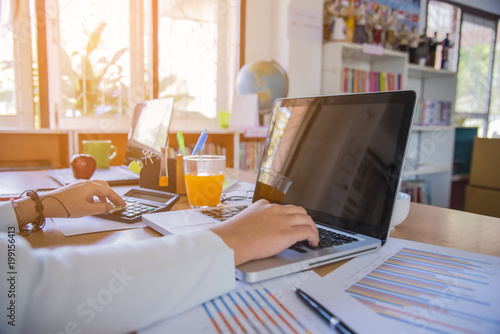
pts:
[201, 141]
[323, 312]
[180, 140]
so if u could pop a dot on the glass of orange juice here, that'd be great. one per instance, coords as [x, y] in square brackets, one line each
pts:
[204, 176]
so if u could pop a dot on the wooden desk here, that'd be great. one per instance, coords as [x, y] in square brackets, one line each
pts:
[428, 224]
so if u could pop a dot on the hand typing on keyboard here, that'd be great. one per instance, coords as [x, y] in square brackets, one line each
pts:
[327, 239]
[265, 229]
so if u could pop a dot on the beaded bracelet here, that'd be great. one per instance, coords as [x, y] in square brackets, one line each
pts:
[39, 223]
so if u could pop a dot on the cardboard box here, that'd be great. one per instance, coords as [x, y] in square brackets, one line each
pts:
[482, 201]
[485, 167]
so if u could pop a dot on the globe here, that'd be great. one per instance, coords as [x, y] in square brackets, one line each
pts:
[267, 79]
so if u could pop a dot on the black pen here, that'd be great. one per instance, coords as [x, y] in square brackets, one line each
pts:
[332, 320]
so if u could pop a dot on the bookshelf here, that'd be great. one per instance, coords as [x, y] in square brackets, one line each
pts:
[339, 57]
[250, 152]
[220, 142]
[243, 149]
[430, 152]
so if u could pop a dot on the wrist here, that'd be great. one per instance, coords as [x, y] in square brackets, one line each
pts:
[232, 242]
[25, 212]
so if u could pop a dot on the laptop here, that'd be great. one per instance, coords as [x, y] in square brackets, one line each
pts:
[148, 131]
[343, 157]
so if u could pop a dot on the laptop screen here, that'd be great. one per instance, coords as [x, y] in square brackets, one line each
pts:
[340, 157]
[149, 128]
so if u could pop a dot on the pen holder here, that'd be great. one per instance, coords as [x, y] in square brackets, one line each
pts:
[181, 184]
[150, 175]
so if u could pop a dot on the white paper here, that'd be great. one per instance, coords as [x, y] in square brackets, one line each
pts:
[91, 224]
[305, 24]
[460, 287]
[245, 111]
[268, 307]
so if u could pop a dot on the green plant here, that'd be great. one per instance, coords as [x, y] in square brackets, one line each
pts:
[91, 87]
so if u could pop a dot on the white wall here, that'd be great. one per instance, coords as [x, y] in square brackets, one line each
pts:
[266, 39]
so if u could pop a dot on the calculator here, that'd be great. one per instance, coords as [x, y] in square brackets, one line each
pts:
[141, 201]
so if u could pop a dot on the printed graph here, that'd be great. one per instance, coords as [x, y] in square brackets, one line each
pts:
[433, 292]
[252, 311]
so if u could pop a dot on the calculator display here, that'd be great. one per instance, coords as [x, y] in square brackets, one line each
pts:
[149, 197]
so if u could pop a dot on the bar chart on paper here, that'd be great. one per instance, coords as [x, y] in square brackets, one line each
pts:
[252, 309]
[433, 292]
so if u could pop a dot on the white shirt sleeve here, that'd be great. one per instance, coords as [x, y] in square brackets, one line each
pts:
[109, 288]
[8, 217]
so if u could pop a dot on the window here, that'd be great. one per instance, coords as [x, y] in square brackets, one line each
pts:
[7, 77]
[494, 119]
[95, 58]
[197, 52]
[17, 106]
[477, 65]
[477, 44]
[444, 19]
[99, 59]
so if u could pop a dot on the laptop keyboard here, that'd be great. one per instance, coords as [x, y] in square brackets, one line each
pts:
[327, 239]
[224, 213]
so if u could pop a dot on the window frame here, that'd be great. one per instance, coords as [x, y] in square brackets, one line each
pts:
[25, 110]
[51, 114]
[467, 10]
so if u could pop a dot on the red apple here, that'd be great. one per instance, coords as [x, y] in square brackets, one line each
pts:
[83, 166]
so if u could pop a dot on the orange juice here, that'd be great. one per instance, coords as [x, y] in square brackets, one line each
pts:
[204, 188]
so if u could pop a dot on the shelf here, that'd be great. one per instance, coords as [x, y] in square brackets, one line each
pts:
[424, 128]
[430, 146]
[425, 170]
[459, 177]
[359, 54]
[427, 72]
[352, 55]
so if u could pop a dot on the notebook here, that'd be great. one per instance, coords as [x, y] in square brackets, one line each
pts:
[343, 157]
[149, 129]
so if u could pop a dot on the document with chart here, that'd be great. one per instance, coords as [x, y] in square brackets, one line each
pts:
[418, 287]
[269, 307]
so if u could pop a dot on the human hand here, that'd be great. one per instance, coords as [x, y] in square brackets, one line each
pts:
[78, 198]
[265, 229]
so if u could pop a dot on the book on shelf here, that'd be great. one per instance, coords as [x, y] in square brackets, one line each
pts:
[360, 81]
[432, 113]
[419, 190]
[250, 154]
